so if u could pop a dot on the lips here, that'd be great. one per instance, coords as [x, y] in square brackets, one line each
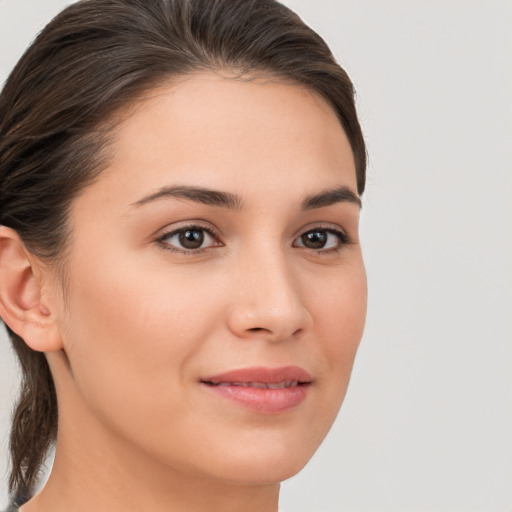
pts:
[260, 385]
[263, 390]
[263, 375]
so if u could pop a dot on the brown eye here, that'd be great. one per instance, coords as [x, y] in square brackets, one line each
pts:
[321, 239]
[314, 239]
[189, 239]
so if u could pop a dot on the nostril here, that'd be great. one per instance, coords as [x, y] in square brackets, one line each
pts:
[275, 335]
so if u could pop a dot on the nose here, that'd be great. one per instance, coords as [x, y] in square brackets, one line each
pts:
[268, 303]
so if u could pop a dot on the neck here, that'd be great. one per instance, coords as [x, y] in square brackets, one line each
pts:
[104, 480]
[97, 469]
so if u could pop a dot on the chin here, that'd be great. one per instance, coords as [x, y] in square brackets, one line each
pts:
[265, 461]
[266, 471]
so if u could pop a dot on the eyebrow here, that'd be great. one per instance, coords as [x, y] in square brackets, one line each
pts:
[197, 194]
[233, 202]
[342, 194]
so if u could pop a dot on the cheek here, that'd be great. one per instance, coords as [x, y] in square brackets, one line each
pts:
[130, 331]
[339, 312]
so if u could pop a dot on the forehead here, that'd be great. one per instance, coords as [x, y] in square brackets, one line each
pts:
[221, 132]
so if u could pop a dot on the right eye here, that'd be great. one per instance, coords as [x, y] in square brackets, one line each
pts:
[189, 239]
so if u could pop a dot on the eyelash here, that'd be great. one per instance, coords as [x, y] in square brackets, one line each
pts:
[183, 229]
[343, 239]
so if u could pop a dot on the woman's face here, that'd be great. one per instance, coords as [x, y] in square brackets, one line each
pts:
[216, 291]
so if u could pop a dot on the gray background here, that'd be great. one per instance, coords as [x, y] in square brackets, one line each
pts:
[427, 423]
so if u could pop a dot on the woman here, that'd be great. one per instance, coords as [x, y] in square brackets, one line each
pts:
[180, 192]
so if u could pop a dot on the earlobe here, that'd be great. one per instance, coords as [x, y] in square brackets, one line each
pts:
[21, 299]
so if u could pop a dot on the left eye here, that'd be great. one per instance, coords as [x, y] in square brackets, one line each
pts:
[189, 239]
[321, 239]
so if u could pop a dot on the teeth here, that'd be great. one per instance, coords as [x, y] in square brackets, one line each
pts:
[261, 385]
[276, 385]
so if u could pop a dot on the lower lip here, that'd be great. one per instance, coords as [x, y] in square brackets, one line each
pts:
[264, 401]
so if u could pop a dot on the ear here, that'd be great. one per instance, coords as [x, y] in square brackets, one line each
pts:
[24, 304]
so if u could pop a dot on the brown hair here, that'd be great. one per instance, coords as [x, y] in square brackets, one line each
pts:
[92, 59]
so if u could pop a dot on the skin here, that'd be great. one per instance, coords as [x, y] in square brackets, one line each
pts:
[143, 319]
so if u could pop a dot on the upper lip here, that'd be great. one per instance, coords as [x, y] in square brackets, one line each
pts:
[262, 374]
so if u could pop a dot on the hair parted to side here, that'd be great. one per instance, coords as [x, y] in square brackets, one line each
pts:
[94, 58]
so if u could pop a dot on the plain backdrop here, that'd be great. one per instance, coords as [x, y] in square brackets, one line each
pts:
[427, 422]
